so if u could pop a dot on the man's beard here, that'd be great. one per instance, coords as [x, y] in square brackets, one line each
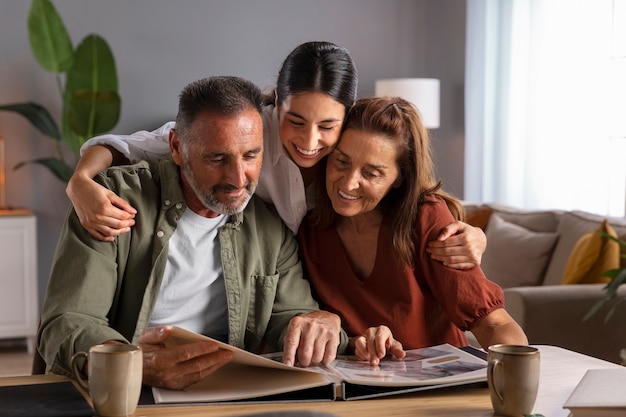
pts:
[208, 198]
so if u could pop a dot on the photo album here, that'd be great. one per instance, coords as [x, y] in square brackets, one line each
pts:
[261, 378]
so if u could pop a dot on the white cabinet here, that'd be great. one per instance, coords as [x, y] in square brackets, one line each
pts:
[19, 298]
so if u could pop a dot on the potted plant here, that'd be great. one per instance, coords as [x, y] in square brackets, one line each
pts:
[87, 82]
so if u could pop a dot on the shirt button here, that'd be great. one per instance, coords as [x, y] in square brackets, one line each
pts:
[179, 205]
[167, 202]
[160, 233]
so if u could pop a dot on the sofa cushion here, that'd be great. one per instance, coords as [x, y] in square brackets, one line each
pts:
[572, 227]
[515, 255]
[592, 255]
[537, 221]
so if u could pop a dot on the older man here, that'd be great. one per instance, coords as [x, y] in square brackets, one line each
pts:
[205, 254]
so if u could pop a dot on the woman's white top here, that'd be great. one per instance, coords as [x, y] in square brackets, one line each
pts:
[280, 182]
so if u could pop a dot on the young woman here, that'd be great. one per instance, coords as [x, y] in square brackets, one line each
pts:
[363, 244]
[316, 87]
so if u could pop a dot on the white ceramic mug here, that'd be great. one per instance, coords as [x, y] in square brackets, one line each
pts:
[513, 379]
[115, 375]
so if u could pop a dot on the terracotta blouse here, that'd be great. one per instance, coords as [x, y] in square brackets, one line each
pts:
[423, 306]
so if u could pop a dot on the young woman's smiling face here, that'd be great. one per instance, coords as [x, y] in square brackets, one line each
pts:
[310, 125]
[361, 171]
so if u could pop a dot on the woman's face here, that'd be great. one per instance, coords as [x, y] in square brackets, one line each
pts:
[310, 124]
[361, 171]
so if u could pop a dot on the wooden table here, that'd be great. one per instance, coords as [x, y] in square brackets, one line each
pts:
[561, 370]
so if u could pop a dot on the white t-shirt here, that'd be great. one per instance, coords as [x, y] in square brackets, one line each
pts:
[192, 294]
[280, 183]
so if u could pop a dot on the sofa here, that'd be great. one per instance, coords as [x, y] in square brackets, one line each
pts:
[550, 265]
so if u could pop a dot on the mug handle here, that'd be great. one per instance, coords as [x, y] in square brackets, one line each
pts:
[77, 372]
[490, 376]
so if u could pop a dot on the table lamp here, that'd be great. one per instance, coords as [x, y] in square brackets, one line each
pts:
[423, 92]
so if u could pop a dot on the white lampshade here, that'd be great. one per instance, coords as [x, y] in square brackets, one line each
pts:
[423, 92]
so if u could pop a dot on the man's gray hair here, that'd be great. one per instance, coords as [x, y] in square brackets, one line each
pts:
[225, 95]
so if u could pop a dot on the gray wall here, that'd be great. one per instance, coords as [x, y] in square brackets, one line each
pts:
[161, 45]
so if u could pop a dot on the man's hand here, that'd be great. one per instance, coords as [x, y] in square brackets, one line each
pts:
[376, 343]
[312, 338]
[459, 246]
[177, 368]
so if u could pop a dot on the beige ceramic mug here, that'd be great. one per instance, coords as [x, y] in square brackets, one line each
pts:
[115, 375]
[513, 378]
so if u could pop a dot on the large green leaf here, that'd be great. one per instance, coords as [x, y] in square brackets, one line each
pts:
[94, 67]
[49, 40]
[90, 93]
[38, 116]
[92, 112]
[59, 168]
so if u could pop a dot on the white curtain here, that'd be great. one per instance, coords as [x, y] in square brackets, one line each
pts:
[543, 117]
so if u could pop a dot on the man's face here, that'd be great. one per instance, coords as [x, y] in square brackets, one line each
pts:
[220, 161]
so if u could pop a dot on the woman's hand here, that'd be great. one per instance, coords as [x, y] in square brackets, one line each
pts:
[101, 212]
[376, 343]
[459, 246]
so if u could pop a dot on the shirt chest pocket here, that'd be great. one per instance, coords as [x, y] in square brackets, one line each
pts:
[262, 295]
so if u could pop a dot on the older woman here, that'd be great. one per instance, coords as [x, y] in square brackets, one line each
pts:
[364, 243]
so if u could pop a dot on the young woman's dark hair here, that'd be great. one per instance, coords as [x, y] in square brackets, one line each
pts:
[317, 67]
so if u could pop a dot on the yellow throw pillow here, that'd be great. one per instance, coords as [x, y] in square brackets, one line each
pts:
[592, 255]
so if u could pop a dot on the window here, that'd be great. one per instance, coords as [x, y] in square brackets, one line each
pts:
[546, 104]
[618, 104]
